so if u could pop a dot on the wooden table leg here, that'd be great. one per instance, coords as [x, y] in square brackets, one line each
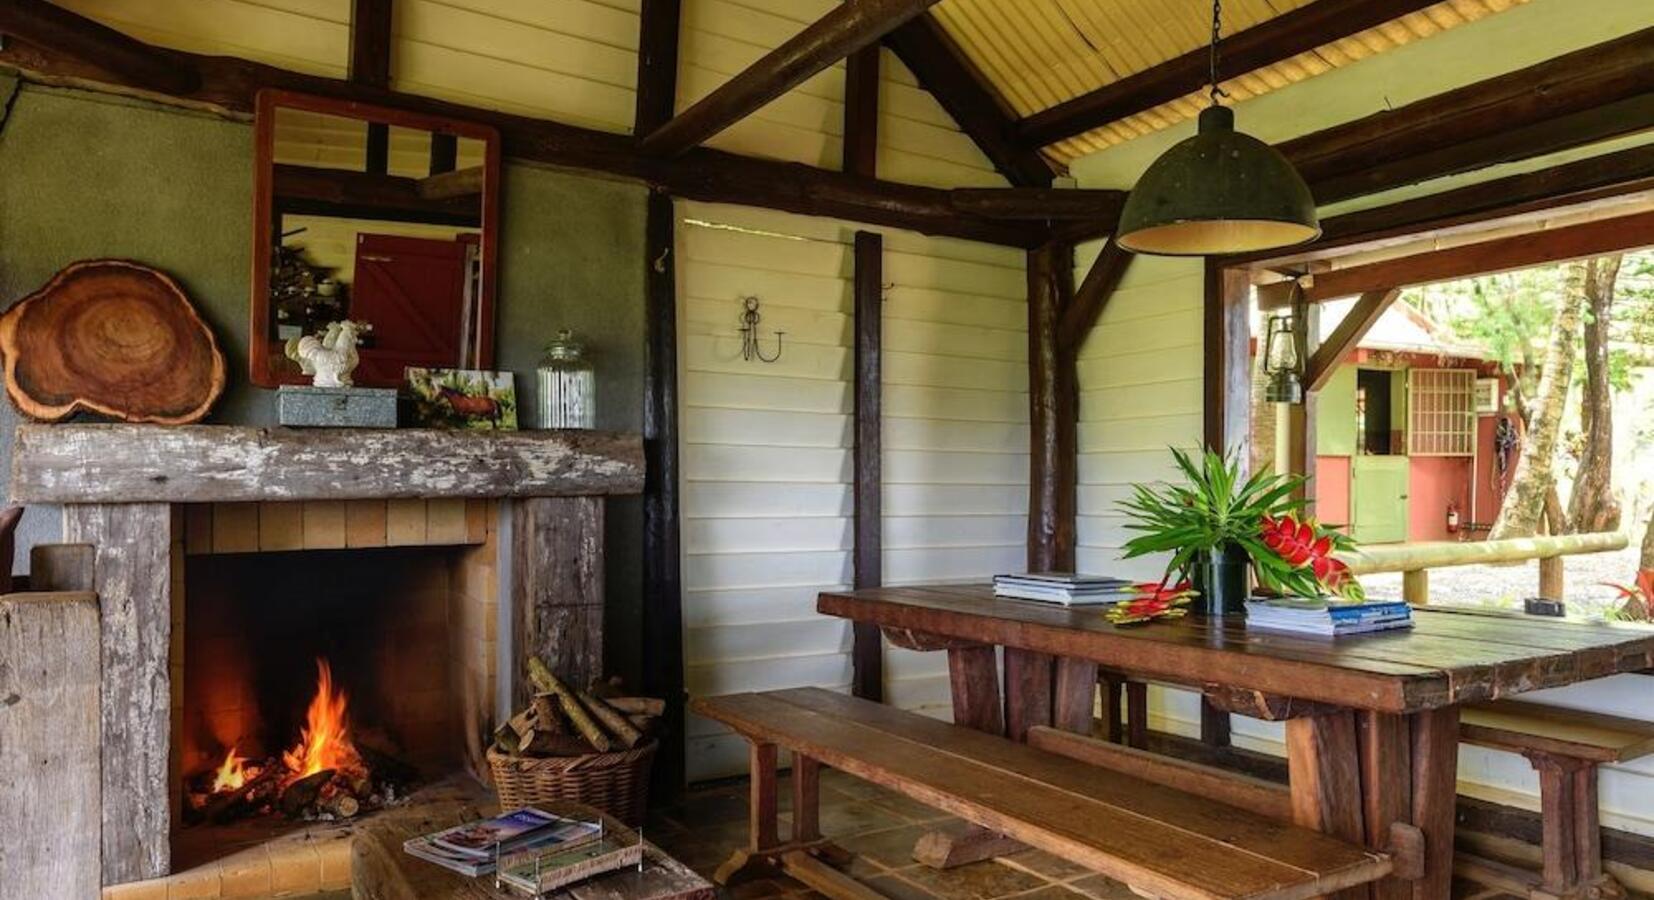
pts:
[1028, 678]
[1435, 737]
[1075, 702]
[973, 673]
[1324, 767]
[1386, 787]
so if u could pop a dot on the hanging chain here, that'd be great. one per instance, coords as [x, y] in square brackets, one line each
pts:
[1217, 31]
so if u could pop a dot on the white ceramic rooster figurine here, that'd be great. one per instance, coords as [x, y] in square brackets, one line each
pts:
[331, 358]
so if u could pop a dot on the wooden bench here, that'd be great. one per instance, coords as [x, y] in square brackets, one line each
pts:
[1566, 747]
[1158, 840]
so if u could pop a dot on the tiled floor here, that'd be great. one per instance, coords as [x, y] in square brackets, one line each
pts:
[880, 827]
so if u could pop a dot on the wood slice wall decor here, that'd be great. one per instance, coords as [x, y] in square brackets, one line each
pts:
[111, 337]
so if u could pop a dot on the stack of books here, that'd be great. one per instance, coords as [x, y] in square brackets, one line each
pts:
[1328, 616]
[474, 848]
[1066, 588]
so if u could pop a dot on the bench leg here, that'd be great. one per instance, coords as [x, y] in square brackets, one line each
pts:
[973, 673]
[1114, 710]
[1572, 840]
[806, 799]
[1137, 715]
[765, 853]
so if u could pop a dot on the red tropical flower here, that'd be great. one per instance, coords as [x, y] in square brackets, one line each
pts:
[1639, 598]
[1153, 601]
[1303, 545]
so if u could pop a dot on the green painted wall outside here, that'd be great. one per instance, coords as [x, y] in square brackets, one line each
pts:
[87, 175]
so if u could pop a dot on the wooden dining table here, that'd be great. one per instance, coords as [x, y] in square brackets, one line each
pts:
[1371, 720]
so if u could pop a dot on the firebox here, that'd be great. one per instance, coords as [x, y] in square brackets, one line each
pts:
[324, 684]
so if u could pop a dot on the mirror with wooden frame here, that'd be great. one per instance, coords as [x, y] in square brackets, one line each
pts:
[377, 215]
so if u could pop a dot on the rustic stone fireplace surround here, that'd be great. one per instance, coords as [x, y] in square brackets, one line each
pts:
[518, 517]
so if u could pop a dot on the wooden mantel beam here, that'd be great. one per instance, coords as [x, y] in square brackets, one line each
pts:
[1594, 238]
[943, 70]
[1280, 38]
[849, 27]
[136, 63]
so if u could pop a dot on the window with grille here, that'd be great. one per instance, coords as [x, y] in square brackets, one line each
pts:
[1441, 412]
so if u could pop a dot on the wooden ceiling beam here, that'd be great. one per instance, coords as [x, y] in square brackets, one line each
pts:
[314, 189]
[1278, 39]
[1041, 204]
[847, 28]
[1563, 102]
[963, 91]
[1602, 236]
[134, 62]
[657, 65]
[1092, 296]
[1595, 179]
[1351, 329]
[229, 84]
[861, 112]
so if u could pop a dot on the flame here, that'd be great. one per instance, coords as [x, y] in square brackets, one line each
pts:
[232, 774]
[324, 743]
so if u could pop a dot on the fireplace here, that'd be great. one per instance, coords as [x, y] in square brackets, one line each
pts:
[235, 566]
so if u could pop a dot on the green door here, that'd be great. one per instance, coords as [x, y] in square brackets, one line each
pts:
[1378, 499]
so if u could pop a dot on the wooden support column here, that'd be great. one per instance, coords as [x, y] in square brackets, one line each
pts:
[1324, 766]
[370, 64]
[50, 746]
[867, 651]
[1550, 577]
[133, 577]
[1227, 406]
[1435, 737]
[556, 589]
[662, 613]
[1052, 400]
[861, 112]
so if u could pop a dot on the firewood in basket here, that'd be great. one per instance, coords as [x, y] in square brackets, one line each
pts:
[507, 738]
[646, 724]
[302, 794]
[524, 722]
[612, 719]
[548, 683]
[546, 714]
[641, 706]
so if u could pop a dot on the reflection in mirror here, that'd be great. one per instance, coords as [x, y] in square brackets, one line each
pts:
[377, 216]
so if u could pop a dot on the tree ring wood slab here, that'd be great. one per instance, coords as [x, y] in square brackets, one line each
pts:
[111, 337]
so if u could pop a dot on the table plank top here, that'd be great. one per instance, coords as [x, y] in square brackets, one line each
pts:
[1450, 655]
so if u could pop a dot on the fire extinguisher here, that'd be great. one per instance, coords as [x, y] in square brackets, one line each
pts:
[1452, 518]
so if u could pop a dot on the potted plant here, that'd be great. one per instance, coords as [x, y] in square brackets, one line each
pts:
[1217, 526]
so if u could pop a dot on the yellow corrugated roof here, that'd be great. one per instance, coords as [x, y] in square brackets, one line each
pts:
[1039, 53]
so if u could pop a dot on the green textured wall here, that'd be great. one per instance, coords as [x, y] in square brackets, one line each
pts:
[87, 175]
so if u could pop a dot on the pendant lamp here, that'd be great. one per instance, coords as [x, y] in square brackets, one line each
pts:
[1219, 192]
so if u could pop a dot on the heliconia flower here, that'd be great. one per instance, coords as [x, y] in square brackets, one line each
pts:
[1298, 544]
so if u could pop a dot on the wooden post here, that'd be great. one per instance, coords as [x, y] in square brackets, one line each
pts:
[1415, 586]
[1052, 398]
[1435, 736]
[557, 589]
[370, 64]
[1386, 786]
[133, 575]
[50, 782]
[1075, 704]
[1324, 766]
[1550, 577]
[867, 652]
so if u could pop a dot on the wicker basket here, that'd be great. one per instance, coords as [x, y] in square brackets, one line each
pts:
[616, 783]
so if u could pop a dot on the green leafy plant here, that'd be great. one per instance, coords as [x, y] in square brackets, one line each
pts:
[1215, 507]
[1637, 599]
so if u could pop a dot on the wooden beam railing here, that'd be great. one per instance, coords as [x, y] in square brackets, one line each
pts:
[1415, 561]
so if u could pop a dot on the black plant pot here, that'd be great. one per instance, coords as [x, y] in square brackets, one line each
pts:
[1220, 575]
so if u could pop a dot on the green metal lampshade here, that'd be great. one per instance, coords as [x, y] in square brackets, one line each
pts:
[1217, 193]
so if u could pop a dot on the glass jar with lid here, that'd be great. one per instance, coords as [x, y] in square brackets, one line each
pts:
[568, 385]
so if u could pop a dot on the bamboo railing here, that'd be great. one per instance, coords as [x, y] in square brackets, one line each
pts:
[1415, 561]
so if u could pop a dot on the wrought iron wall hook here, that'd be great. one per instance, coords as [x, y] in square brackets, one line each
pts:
[749, 333]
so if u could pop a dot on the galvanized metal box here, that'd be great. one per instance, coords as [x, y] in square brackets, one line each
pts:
[348, 407]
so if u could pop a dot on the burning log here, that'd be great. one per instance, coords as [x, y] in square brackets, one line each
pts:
[227, 806]
[342, 805]
[303, 794]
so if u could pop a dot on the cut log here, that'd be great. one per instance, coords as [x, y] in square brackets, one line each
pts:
[541, 675]
[639, 706]
[547, 717]
[115, 338]
[303, 794]
[613, 720]
[343, 805]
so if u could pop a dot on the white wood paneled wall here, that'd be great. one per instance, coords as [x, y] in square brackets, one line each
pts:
[576, 61]
[1141, 377]
[766, 447]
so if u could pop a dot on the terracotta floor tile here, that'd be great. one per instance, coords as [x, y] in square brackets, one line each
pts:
[1051, 892]
[856, 818]
[1103, 888]
[1048, 864]
[892, 847]
[899, 888]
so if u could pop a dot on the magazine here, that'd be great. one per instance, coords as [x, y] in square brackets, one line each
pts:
[471, 849]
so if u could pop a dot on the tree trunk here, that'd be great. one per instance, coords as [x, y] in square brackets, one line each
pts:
[1524, 504]
[1648, 546]
[1593, 507]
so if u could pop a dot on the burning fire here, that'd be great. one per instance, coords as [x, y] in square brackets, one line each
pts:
[324, 743]
[232, 774]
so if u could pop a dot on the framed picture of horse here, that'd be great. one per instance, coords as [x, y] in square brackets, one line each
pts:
[463, 398]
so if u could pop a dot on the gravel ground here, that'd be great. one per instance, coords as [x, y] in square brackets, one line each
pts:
[1504, 587]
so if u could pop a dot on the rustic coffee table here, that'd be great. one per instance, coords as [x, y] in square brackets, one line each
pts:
[380, 870]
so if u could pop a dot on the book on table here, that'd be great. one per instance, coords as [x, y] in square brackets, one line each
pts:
[473, 848]
[1328, 615]
[1066, 588]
